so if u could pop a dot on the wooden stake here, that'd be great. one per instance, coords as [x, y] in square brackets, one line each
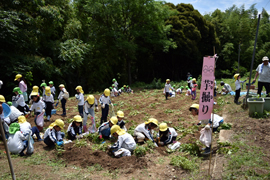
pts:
[7, 151]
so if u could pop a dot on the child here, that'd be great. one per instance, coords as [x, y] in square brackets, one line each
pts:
[48, 99]
[167, 88]
[19, 99]
[38, 105]
[89, 105]
[14, 112]
[35, 89]
[125, 143]
[104, 129]
[227, 88]
[188, 93]
[166, 135]
[63, 96]
[105, 100]
[22, 85]
[218, 120]
[25, 128]
[52, 89]
[80, 99]
[194, 87]
[75, 128]
[43, 86]
[125, 88]
[115, 83]
[129, 89]
[17, 142]
[237, 88]
[114, 91]
[121, 122]
[145, 131]
[53, 134]
[189, 82]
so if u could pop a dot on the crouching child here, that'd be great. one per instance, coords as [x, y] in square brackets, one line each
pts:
[17, 141]
[53, 134]
[125, 143]
[75, 128]
[166, 135]
[145, 131]
[104, 130]
[121, 122]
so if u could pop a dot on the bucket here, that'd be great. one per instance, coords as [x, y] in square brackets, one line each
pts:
[255, 105]
[267, 104]
[6, 110]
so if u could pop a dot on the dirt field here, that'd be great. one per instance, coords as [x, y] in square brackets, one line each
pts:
[250, 138]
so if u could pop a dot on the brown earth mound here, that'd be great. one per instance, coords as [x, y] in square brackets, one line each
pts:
[85, 157]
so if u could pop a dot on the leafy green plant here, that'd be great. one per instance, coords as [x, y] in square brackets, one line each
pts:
[134, 113]
[59, 150]
[191, 148]
[168, 111]
[95, 138]
[80, 143]
[140, 151]
[184, 162]
[225, 126]
[102, 147]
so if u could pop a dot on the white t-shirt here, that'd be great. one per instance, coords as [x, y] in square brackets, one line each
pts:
[264, 76]
[38, 106]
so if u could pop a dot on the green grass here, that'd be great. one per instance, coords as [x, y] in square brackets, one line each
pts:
[185, 163]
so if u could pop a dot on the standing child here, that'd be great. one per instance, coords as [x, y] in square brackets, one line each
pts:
[22, 85]
[53, 90]
[89, 106]
[19, 99]
[80, 99]
[115, 83]
[38, 106]
[237, 88]
[105, 101]
[104, 129]
[121, 122]
[48, 99]
[189, 82]
[167, 88]
[43, 86]
[194, 87]
[63, 96]
[75, 128]
[35, 90]
[53, 134]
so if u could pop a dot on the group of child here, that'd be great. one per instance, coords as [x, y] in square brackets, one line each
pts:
[169, 91]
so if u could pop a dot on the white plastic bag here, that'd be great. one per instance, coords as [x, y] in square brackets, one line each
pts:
[174, 146]
[205, 137]
[30, 147]
[40, 119]
[122, 152]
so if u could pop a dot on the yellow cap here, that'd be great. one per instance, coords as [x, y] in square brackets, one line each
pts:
[90, 99]
[18, 76]
[35, 89]
[163, 127]
[21, 119]
[236, 76]
[118, 130]
[57, 122]
[194, 79]
[2, 98]
[77, 118]
[194, 106]
[124, 86]
[47, 91]
[152, 120]
[120, 114]
[62, 85]
[34, 94]
[167, 80]
[107, 92]
[80, 89]
[114, 120]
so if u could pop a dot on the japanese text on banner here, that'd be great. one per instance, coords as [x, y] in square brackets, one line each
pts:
[207, 87]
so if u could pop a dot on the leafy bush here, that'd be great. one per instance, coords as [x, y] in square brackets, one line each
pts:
[184, 162]
[59, 150]
[140, 151]
[226, 126]
[155, 84]
[80, 143]
[191, 148]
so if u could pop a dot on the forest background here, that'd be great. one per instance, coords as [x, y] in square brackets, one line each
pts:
[90, 42]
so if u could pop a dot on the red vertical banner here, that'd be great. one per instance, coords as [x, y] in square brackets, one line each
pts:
[207, 88]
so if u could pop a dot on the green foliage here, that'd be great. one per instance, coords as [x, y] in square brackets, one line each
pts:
[155, 84]
[59, 150]
[102, 147]
[80, 143]
[140, 151]
[191, 148]
[94, 137]
[226, 126]
[185, 163]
